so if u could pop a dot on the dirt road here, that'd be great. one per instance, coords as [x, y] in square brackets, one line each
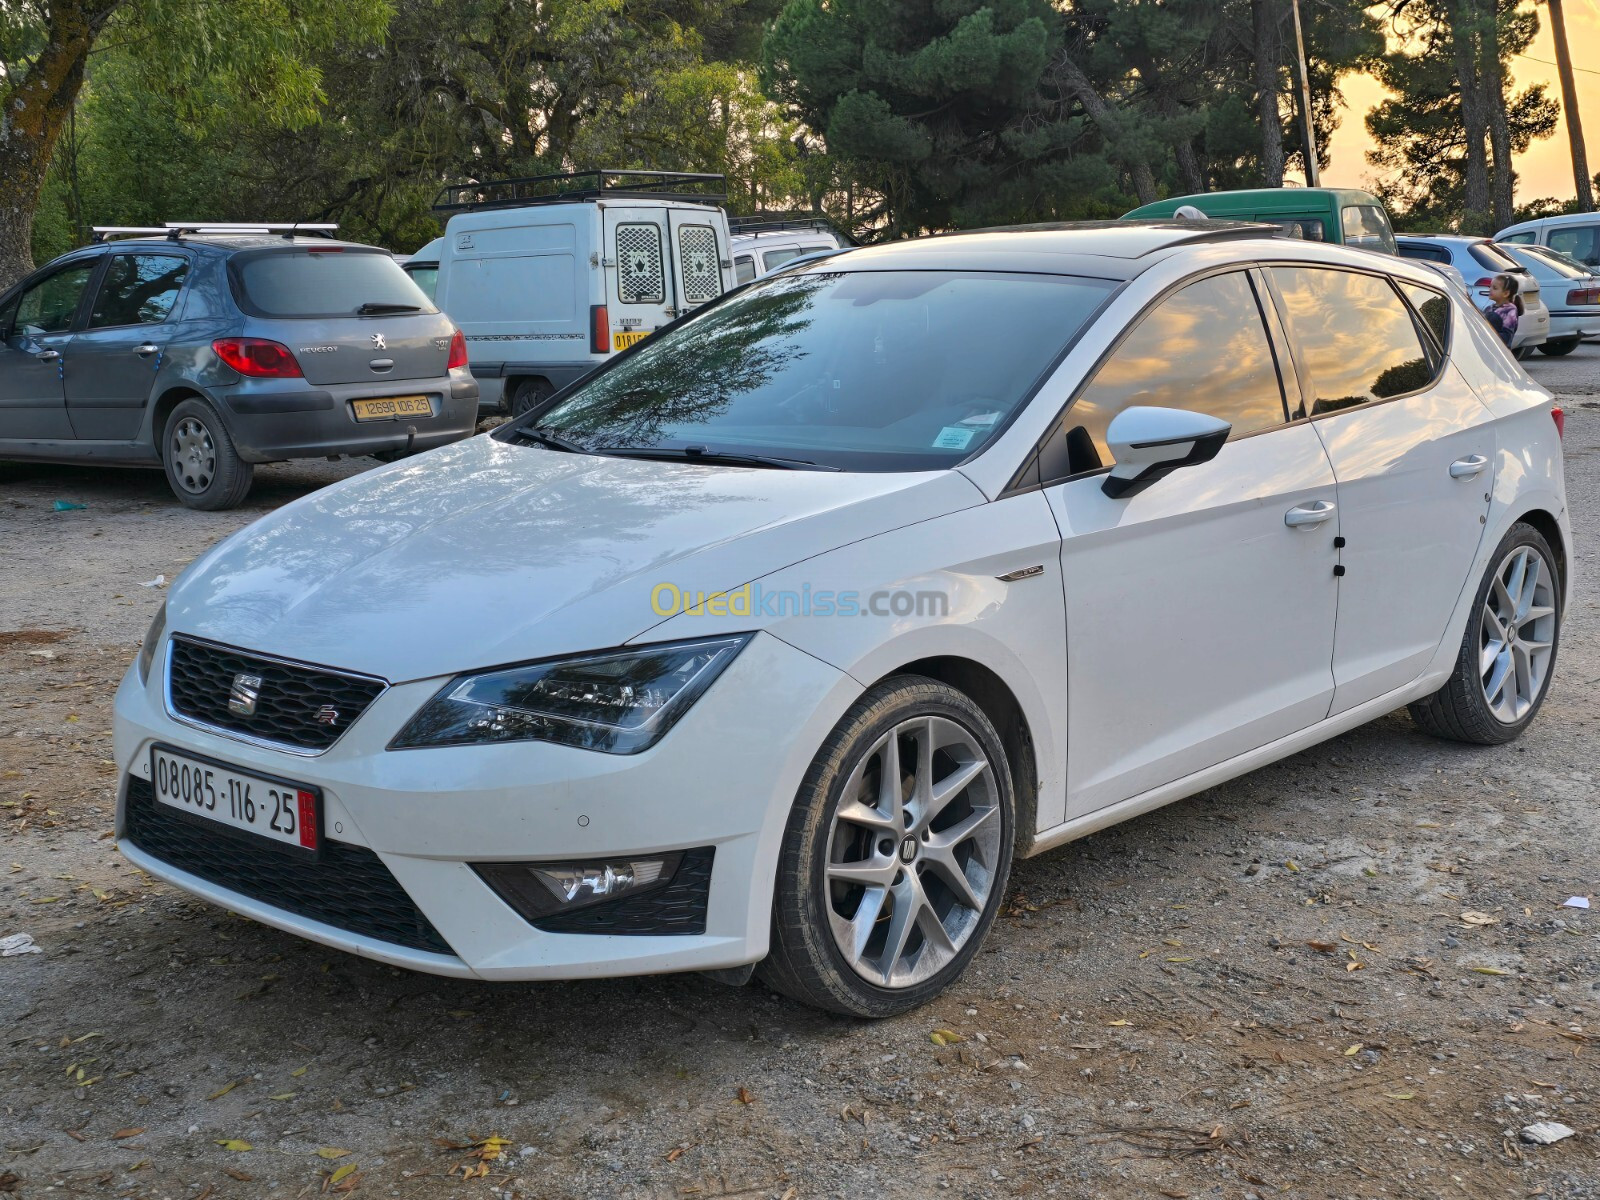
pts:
[1266, 990]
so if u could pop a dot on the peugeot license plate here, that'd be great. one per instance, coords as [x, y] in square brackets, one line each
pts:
[289, 814]
[392, 408]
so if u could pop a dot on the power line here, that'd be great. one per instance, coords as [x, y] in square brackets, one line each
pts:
[1543, 62]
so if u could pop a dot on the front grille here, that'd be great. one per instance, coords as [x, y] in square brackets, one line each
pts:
[678, 908]
[347, 887]
[301, 706]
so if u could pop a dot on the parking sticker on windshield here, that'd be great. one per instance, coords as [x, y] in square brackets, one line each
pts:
[953, 437]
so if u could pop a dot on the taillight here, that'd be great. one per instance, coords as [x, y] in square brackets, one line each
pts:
[1484, 282]
[257, 358]
[599, 330]
[1560, 418]
[1584, 296]
[458, 352]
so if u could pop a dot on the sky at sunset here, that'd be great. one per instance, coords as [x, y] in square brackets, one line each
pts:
[1546, 169]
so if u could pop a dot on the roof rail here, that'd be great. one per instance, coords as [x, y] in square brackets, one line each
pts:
[177, 230]
[695, 188]
[776, 222]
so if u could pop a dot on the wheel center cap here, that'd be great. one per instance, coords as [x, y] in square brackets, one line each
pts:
[908, 848]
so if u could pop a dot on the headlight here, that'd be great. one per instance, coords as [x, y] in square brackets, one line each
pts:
[152, 639]
[619, 702]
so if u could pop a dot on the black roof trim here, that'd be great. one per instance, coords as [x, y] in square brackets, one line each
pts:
[570, 186]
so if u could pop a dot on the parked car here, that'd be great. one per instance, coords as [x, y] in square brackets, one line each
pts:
[551, 275]
[423, 267]
[1479, 260]
[762, 244]
[205, 350]
[1343, 216]
[777, 638]
[1577, 235]
[1572, 291]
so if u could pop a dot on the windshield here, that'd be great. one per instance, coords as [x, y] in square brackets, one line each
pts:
[1367, 226]
[862, 371]
[327, 281]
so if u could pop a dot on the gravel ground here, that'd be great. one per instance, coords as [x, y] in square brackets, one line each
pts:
[1265, 990]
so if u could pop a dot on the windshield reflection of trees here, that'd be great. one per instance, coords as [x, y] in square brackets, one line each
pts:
[695, 373]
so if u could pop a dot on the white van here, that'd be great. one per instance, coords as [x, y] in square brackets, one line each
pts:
[762, 244]
[1577, 235]
[549, 276]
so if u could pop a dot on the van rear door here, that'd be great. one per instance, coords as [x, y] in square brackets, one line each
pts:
[700, 255]
[639, 285]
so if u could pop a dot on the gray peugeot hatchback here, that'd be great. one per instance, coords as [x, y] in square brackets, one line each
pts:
[206, 350]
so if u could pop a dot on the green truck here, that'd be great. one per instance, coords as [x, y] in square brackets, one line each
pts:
[1343, 215]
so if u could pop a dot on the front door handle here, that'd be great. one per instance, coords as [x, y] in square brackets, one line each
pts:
[146, 350]
[1305, 516]
[49, 355]
[1470, 467]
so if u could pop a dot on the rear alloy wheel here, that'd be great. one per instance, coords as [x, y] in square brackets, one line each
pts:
[203, 468]
[1557, 349]
[1503, 671]
[528, 393]
[897, 853]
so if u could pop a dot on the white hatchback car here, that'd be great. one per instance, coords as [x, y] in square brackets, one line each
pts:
[777, 638]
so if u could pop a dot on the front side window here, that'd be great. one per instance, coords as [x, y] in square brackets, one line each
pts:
[864, 371]
[1304, 229]
[49, 305]
[1581, 242]
[1367, 225]
[324, 281]
[138, 289]
[744, 268]
[1204, 349]
[1356, 337]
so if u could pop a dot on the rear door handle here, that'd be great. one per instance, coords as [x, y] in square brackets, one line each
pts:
[146, 350]
[1304, 516]
[1468, 468]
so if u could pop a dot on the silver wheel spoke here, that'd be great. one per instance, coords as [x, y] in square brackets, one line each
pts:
[907, 900]
[961, 831]
[1517, 633]
[872, 873]
[944, 865]
[951, 786]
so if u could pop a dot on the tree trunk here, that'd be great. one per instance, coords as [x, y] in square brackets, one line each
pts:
[1110, 123]
[1264, 19]
[36, 108]
[1569, 109]
[1494, 96]
[1474, 119]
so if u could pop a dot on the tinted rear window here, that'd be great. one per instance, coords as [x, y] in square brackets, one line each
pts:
[1486, 254]
[324, 282]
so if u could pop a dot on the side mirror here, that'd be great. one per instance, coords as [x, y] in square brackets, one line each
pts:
[1150, 443]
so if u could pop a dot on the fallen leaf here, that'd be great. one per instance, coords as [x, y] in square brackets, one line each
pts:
[1400, 1095]
[1489, 971]
[745, 1097]
[945, 1037]
[1119, 1023]
[335, 1152]
[1355, 1049]
[241, 1176]
[224, 1089]
[284, 1096]
[236, 1145]
[1473, 917]
[342, 1173]
[675, 1153]
[1292, 865]
[301, 1071]
[1323, 947]
[127, 1133]
[489, 1149]
[1180, 958]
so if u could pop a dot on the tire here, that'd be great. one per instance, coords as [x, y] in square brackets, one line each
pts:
[203, 468]
[835, 831]
[1522, 353]
[528, 393]
[1557, 349]
[1490, 705]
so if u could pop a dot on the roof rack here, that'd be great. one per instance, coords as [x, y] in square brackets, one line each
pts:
[177, 230]
[776, 222]
[570, 186]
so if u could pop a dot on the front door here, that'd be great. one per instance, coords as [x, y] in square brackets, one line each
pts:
[1413, 450]
[1200, 612]
[116, 355]
[37, 332]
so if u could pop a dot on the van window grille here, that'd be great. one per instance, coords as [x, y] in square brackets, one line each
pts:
[697, 261]
[641, 277]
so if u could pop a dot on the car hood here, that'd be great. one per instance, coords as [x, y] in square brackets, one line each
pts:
[484, 553]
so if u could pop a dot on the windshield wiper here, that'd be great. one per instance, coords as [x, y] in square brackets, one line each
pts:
[548, 438]
[381, 306]
[728, 457]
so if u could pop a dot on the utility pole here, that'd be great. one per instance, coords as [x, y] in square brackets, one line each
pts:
[1569, 109]
[1313, 175]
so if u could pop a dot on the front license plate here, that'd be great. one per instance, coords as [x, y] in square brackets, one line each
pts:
[621, 341]
[288, 814]
[392, 407]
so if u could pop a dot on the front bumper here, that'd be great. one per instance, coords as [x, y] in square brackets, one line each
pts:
[273, 419]
[724, 778]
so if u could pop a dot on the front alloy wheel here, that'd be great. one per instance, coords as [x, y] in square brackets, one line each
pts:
[897, 853]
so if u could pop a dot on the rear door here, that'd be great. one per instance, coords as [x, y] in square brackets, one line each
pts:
[37, 328]
[1412, 449]
[116, 355]
[698, 249]
[641, 293]
[349, 315]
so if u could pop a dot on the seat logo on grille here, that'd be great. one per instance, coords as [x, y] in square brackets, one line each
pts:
[244, 694]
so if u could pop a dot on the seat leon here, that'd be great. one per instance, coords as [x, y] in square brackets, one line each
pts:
[771, 645]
